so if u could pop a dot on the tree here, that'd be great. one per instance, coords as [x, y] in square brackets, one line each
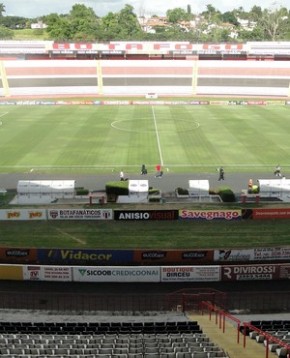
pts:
[230, 18]
[256, 13]
[274, 23]
[81, 24]
[2, 9]
[211, 15]
[6, 34]
[121, 26]
[176, 15]
[84, 23]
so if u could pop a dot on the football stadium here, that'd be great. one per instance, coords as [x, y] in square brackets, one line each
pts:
[144, 200]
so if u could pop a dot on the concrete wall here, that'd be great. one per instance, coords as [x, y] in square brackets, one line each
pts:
[133, 77]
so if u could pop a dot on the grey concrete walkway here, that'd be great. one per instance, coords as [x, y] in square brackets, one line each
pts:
[227, 338]
[168, 183]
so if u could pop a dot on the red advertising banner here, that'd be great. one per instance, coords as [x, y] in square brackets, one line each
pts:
[153, 257]
[15, 255]
[274, 213]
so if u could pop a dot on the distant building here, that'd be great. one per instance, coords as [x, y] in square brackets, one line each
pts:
[38, 25]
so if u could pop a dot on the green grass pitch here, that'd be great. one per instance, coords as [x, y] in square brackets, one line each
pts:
[99, 139]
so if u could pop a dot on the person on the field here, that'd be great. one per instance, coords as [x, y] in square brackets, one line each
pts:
[221, 174]
[143, 170]
[122, 175]
[277, 171]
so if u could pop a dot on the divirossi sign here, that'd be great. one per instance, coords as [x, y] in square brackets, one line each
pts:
[250, 272]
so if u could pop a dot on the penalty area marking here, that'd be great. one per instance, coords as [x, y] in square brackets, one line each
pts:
[194, 125]
[2, 115]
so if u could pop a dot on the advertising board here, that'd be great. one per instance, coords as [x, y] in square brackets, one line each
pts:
[144, 215]
[23, 214]
[8, 272]
[210, 214]
[80, 214]
[274, 213]
[14, 255]
[173, 256]
[190, 273]
[250, 272]
[116, 274]
[47, 273]
[84, 257]
[254, 254]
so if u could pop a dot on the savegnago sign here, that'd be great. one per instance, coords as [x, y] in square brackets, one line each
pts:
[116, 274]
[210, 214]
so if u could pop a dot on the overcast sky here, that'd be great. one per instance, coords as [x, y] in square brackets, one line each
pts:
[34, 8]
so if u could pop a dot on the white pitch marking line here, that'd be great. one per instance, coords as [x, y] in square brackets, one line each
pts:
[157, 137]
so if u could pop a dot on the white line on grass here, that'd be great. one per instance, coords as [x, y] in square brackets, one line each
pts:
[3, 114]
[157, 137]
[106, 166]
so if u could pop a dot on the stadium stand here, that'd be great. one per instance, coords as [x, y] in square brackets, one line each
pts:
[69, 339]
[273, 334]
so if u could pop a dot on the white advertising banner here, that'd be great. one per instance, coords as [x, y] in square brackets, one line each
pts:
[190, 273]
[234, 255]
[255, 254]
[116, 274]
[47, 273]
[23, 214]
[80, 214]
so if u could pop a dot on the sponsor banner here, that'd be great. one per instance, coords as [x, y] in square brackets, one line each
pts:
[234, 255]
[116, 103]
[276, 103]
[84, 257]
[80, 214]
[219, 103]
[169, 103]
[277, 213]
[250, 272]
[146, 215]
[190, 273]
[18, 255]
[255, 254]
[256, 103]
[210, 214]
[272, 253]
[173, 256]
[11, 272]
[23, 214]
[237, 103]
[77, 103]
[285, 271]
[47, 273]
[116, 274]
